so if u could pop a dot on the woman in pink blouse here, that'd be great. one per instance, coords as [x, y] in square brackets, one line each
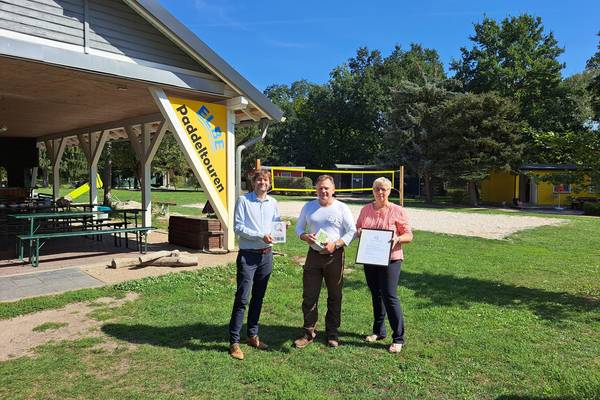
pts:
[383, 281]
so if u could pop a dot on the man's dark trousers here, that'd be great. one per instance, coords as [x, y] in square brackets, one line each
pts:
[253, 272]
[319, 267]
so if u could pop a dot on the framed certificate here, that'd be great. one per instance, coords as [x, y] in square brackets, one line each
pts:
[375, 247]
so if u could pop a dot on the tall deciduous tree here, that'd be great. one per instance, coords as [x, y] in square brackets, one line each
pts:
[518, 59]
[593, 67]
[170, 158]
[477, 136]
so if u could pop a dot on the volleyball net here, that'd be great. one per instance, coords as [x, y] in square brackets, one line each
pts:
[295, 180]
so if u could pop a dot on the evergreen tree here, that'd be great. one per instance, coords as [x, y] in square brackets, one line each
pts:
[478, 134]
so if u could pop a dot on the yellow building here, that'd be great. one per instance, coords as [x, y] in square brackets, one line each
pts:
[506, 188]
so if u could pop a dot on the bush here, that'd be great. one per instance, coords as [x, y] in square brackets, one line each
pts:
[292, 182]
[591, 208]
[458, 196]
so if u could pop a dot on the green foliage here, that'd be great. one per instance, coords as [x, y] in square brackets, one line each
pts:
[73, 166]
[343, 121]
[292, 182]
[478, 135]
[169, 157]
[124, 162]
[579, 148]
[457, 196]
[590, 208]
[413, 127]
[44, 165]
[517, 59]
[593, 67]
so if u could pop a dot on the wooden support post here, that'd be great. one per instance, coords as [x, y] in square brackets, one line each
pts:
[146, 178]
[144, 151]
[92, 144]
[55, 149]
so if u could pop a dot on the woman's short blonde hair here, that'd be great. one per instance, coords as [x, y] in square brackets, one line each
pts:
[382, 181]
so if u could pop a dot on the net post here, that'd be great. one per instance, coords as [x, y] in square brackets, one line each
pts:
[258, 166]
[401, 188]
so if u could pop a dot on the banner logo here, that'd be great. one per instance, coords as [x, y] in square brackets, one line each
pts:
[203, 123]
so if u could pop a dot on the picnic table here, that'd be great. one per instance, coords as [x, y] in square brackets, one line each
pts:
[34, 236]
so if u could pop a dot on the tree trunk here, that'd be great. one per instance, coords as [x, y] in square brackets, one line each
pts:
[428, 189]
[473, 197]
[45, 177]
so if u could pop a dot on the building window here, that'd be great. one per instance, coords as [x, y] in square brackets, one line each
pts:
[561, 188]
[286, 173]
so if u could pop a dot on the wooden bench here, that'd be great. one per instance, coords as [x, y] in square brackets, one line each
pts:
[36, 240]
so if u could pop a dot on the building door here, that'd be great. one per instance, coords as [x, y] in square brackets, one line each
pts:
[532, 191]
[525, 189]
[357, 181]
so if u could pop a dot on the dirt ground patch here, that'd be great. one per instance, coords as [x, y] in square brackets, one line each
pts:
[19, 339]
[489, 226]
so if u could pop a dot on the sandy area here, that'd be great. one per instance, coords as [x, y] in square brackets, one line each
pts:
[19, 339]
[111, 276]
[489, 226]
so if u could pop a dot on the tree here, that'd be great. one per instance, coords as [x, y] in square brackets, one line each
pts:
[123, 159]
[287, 140]
[413, 126]
[44, 165]
[518, 60]
[580, 149]
[170, 158]
[73, 166]
[477, 136]
[593, 67]
[344, 120]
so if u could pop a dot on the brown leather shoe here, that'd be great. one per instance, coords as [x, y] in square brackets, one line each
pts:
[236, 352]
[303, 341]
[254, 341]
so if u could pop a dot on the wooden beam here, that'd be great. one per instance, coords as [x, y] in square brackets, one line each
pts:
[155, 117]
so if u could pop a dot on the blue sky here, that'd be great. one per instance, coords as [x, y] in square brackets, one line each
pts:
[283, 41]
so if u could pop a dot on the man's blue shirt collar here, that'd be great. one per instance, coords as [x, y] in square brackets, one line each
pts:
[252, 197]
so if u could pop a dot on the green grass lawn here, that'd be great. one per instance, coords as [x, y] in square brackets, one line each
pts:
[512, 319]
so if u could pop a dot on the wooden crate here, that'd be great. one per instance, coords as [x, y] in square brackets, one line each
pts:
[196, 232]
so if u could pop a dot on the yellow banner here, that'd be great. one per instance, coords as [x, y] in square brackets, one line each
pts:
[206, 128]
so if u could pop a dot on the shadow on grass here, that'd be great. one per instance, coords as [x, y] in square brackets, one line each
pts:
[448, 290]
[518, 397]
[202, 336]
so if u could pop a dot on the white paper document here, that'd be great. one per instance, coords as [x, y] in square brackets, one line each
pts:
[374, 247]
[279, 232]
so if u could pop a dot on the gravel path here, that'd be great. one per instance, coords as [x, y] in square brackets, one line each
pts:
[489, 226]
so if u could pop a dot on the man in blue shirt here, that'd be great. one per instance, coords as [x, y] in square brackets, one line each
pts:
[253, 223]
